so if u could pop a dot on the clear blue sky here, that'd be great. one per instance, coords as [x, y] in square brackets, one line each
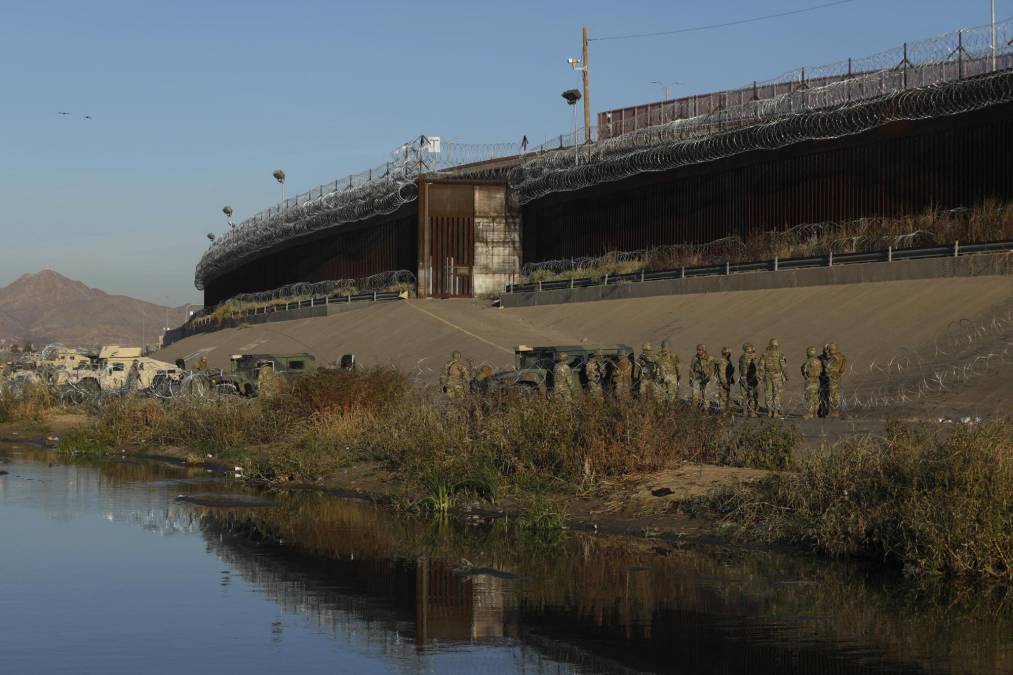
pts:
[195, 103]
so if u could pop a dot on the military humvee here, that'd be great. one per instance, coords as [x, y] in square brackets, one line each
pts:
[533, 365]
[109, 370]
[246, 371]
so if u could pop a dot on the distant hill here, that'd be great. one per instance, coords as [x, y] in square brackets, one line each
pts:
[48, 307]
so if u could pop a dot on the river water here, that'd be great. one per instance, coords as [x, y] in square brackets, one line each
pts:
[129, 567]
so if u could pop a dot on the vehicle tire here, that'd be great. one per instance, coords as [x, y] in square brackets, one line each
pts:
[89, 387]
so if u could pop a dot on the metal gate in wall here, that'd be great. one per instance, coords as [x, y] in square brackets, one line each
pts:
[452, 255]
[446, 239]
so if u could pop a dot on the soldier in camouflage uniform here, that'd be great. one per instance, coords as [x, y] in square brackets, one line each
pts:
[671, 372]
[700, 370]
[834, 367]
[455, 377]
[648, 374]
[749, 380]
[564, 384]
[621, 379]
[771, 367]
[812, 374]
[595, 373]
[725, 372]
[133, 382]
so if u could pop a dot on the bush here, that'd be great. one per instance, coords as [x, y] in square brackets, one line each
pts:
[768, 446]
[29, 403]
[931, 503]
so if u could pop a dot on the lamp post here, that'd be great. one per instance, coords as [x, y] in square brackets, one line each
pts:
[572, 96]
[279, 176]
[227, 210]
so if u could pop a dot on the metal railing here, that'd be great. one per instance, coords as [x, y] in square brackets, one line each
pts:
[208, 324]
[775, 265]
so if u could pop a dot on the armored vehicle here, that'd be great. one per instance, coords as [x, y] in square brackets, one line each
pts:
[248, 371]
[109, 370]
[533, 365]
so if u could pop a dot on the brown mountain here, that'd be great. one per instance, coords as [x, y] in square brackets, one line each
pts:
[48, 307]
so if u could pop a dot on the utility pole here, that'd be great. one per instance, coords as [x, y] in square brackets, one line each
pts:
[587, 97]
[993, 38]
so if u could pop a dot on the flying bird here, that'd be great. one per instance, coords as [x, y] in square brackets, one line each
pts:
[87, 117]
[62, 113]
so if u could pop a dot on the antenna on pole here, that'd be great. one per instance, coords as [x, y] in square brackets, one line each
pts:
[587, 87]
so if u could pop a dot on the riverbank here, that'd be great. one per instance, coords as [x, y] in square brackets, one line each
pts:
[629, 467]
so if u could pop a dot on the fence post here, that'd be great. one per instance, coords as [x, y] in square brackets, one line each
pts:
[830, 263]
[641, 275]
[539, 285]
[889, 253]
[606, 279]
[571, 281]
[728, 268]
[682, 272]
[775, 263]
[349, 297]
[956, 248]
[374, 296]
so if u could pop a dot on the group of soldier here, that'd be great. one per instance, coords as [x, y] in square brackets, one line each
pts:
[657, 375]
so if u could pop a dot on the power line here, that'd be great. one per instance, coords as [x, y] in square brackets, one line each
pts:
[713, 26]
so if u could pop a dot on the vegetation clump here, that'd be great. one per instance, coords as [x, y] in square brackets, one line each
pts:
[28, 403]
[931, 503]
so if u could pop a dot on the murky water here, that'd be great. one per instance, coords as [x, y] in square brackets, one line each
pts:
[128, 568]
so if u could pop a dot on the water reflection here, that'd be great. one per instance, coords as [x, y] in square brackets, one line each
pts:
[605, 602]
[441, 595]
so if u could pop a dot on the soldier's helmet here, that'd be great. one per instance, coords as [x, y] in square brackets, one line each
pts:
[725, 351]
[747, 347]
[485, 371]
[455, 355]
[561, 357]
[701, 348]
[832, 347]
[810, 351]
[598, 353]
[774, 344]
[647, 348]
[666, 344]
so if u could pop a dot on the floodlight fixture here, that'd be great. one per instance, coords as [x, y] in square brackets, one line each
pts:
[279, 175]
[571, 96]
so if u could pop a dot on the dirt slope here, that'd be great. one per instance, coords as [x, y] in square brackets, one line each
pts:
[871, 322]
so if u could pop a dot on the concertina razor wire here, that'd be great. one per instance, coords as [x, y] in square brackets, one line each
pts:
[860, 235]
[944, 75]
[396, 280]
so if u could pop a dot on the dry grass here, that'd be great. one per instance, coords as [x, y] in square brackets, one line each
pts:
[30, 404]
[334, 417]
[932, 503]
